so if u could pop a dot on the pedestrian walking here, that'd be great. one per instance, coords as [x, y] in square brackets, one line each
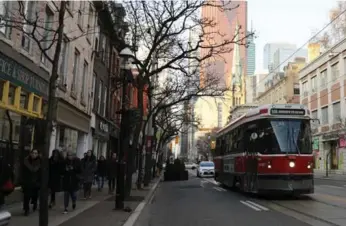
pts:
[88, 172]
[71, 179]
[101, 172]
[6, 180]
[55, 173]
[112, 172]
[31, 180]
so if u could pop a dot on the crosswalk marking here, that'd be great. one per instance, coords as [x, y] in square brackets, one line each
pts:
[254, 206]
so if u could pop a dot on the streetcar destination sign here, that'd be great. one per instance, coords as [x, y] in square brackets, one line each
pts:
[278, 111]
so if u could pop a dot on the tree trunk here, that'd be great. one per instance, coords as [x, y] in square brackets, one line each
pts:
[43, 216]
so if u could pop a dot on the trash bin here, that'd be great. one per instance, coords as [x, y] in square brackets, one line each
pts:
[5, 218]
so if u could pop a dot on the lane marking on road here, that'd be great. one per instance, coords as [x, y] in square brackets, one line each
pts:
[202, 183]
[212, 181]
[219, 189]
[330, 186]
[254, 206]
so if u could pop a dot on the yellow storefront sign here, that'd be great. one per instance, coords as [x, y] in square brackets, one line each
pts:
[17, 100]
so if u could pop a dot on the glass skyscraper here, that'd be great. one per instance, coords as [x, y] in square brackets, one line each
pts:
[251, 56]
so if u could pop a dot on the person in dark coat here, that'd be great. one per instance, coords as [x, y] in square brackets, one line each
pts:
[88, 171]
[31, 180]
[55, 170]
[71, 179]
[6, 180]
[112, 172]
[101, 172]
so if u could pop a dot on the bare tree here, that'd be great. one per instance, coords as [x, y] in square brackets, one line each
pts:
[160, 29]
[205, 144]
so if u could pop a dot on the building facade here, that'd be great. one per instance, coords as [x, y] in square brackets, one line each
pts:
[284, 87]
[72, 131]
[23, 89]
[322, 84]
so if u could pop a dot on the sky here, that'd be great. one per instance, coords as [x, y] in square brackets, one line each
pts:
[290, 21]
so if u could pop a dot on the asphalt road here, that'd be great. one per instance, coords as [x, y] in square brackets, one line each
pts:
[202, 202]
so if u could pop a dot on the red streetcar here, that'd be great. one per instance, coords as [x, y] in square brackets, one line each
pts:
[268, 149]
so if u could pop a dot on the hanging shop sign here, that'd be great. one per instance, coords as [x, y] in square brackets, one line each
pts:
[20, 76]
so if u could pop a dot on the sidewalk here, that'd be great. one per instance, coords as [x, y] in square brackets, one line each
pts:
[103, 213]
[321, 174]
[56, 216]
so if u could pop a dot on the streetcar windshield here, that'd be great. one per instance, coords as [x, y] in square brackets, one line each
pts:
[278, 136]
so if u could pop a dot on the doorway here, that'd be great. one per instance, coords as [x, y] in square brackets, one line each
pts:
[333, 155]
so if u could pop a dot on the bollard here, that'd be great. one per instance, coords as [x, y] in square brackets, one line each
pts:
[5, 218]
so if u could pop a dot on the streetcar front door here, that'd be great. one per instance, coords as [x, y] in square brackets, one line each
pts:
[252, 165]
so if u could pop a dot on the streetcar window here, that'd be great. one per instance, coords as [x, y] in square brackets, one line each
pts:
[283, 136]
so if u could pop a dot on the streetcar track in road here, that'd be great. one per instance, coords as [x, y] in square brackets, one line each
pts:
[253, 205]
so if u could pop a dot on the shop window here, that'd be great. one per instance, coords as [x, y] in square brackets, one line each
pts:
[5, 126]
[35, 106]
[68, 139]
[2, 83]
[24, 98]
[11, 94]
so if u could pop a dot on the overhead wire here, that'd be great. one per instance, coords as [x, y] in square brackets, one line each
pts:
[301, 47]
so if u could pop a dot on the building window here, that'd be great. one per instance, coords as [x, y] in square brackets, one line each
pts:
[314, 115]
[63, 61]
[48, 22]
[80, 14]
[314, 84]
[24, 99]
[296, 90]
[105, 101]
[93, 96]
[29, 9]
[99, 97]
[103, 48]
[84, 76]
[324, 114]
[75, 70]
[335, 71]
[324, 79]
[90, 22]
[5, 30]
[336, 112]
[305, 89]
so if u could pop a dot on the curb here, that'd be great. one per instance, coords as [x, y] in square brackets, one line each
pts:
[131, 220]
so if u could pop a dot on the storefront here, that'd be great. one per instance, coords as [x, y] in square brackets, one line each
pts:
[71, 131]
[329, 149]
[100, 136]
[23, 91]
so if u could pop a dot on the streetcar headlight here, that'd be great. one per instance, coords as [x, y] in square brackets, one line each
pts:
[292, 164]
[269, 166]
[309, 166]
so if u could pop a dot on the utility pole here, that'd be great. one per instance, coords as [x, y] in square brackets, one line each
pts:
[124, 133]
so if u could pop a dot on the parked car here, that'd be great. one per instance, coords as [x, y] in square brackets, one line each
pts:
[5, 218]
[206, 169]
[190, 165]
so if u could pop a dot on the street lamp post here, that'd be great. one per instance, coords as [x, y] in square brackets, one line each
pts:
[126, 55]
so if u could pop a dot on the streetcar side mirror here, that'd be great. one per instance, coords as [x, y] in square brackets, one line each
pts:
[254, 136]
